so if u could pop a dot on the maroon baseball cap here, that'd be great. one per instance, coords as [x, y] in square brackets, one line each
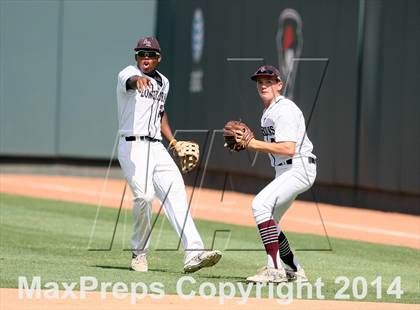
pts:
[266, 71]
[148, 43]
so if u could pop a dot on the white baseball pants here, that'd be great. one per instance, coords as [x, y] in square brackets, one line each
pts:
[276, 198]
[150, 171]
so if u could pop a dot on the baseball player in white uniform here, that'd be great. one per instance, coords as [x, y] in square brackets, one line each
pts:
[290, 153]
[147, 165]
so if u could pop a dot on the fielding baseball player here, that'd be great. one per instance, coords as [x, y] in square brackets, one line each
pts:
[290, 153]
[147, 165]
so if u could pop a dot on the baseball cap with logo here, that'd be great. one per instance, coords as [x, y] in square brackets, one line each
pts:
[266, 71]
[148, 43]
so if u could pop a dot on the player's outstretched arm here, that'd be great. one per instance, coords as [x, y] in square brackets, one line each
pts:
[137, 82]
[286, 148]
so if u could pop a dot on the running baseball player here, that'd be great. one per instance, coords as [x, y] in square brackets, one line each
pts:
[290, 153]
[147, 165]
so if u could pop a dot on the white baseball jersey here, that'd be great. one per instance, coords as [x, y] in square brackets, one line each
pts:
[148, 167]
[283, 121]
[139, 113]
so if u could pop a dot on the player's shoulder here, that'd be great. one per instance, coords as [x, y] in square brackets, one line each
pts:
[285, 102]
[288, 104]
[282, 104]
[130, 70]
[286, 107]
[165, 79]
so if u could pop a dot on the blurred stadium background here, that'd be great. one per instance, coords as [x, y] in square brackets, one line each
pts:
[59, 61]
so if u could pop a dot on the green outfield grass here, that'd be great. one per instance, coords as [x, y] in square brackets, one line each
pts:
[50, 239]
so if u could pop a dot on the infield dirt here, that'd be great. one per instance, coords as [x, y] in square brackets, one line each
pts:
[305, 217]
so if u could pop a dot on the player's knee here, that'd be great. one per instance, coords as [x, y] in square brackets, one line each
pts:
[143, 199]
[139, 196]
[259, 206]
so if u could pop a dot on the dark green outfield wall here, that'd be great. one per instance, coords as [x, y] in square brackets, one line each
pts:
[365, 126]
[59, 60]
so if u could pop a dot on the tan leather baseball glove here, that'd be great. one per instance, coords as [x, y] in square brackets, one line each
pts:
[237, 135]
[188, 153]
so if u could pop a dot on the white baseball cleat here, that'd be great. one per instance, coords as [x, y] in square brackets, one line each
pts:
[269, 275]
[139, 263]
[202, 260]
[298, 275]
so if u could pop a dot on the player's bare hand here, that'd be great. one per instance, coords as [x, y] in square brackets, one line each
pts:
[143, 83]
